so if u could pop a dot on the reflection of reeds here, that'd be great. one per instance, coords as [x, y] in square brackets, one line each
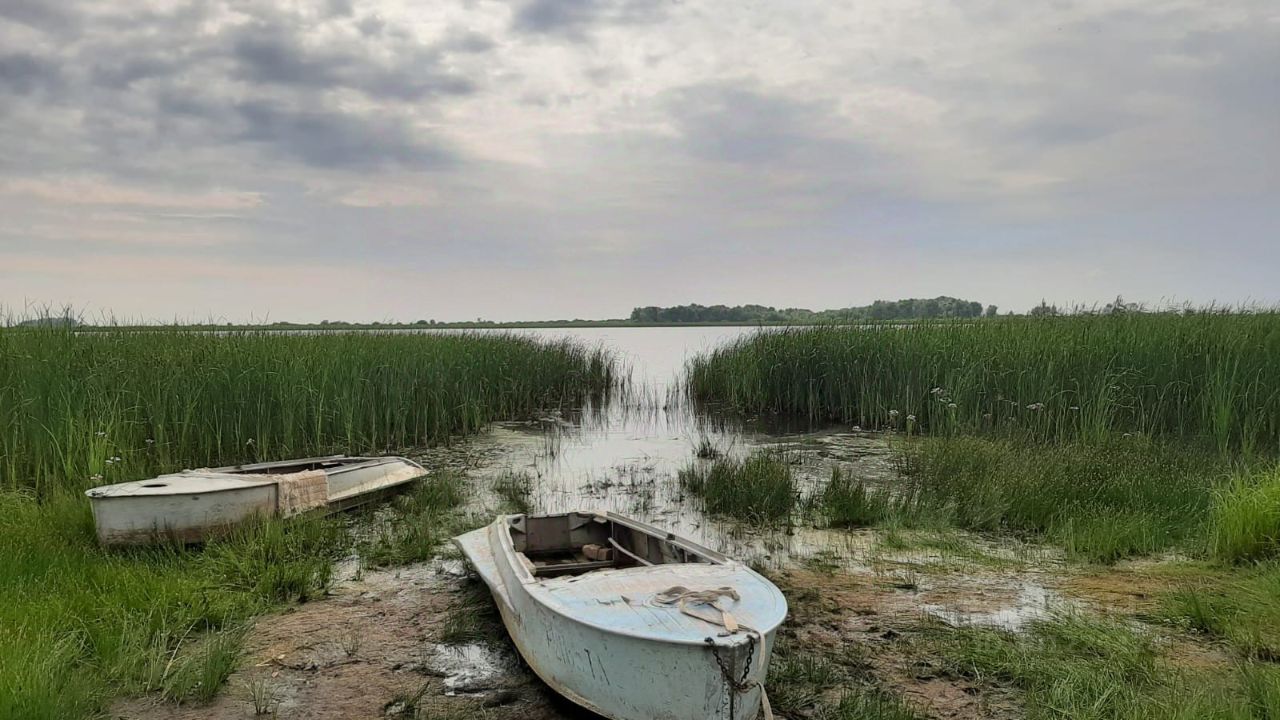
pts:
[515, 489]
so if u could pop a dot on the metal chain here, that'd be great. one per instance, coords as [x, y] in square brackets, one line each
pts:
[740, 685]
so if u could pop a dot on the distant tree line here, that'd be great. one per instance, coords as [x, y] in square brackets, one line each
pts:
[909, 309]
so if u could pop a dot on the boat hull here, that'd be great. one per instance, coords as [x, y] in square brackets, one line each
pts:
[185, 518]
[620, 675]
[195, 506]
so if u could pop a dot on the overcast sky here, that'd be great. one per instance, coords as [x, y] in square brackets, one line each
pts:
[342, 159]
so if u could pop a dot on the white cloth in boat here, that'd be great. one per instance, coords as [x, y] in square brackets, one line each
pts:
[301, 491]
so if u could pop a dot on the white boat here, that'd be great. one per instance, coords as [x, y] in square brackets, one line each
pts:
[630, 621]
[192, 505]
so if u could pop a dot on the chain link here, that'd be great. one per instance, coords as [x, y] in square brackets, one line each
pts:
[741, 685]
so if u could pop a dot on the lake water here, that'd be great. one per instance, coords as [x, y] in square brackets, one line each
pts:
[627, 457]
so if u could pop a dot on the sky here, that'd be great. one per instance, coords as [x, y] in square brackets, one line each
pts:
[251, 160]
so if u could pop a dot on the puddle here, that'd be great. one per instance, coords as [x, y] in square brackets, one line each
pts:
[467, 669]
[1031, 602]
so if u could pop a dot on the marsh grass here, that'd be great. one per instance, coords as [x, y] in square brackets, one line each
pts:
[804, 683]
[79, 624]
[1243, 609]
[1211, 377]
[417, 524]
[1244, 523]
[1079, 667]
[83, 409]
[1102, 501]
[759, 488]
[847, 502]
[515, 489]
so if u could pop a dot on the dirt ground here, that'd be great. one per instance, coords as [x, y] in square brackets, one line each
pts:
[366, 651]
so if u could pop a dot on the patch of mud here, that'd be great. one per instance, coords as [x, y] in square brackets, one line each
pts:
[838, 614]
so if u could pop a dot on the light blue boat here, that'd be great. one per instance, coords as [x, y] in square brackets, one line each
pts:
[630, 621]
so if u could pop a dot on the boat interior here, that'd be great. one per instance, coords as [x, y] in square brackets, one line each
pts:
[576, 543]
[286, 467]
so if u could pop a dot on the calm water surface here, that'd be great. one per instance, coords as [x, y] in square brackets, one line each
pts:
[627, 456]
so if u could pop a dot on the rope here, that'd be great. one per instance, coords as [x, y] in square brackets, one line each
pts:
[681, 597]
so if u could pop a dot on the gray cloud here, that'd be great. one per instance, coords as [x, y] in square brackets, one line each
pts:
[23, 73]
[572, 18]
[271, 53]
[329, 139]
[594, 154]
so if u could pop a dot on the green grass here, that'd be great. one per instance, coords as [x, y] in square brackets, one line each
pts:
[1102, 501]
[803, 683]
[1245, 519]
[849, 503]
[78, 410]
[1210, 376]
[420, 521]
[759, 488]
[79, 624]
[1078, 667]
[515, 489]
[1243, 609]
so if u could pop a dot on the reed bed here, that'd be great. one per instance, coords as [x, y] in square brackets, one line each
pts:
[83, 409]
[1210, 376]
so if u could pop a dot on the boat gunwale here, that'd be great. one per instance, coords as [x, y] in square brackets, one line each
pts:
[250, 479]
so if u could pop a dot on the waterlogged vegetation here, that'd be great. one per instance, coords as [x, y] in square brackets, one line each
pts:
[79, 624]
[759, 488]
[1138, 453]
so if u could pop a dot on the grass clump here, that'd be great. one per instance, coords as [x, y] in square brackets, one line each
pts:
[1102, 501]
[1244, 522]
[802, 683]
[849, 503]
[1077, 667]
[1243, 609]
[418, 523]
[515, 489]
[758, 488]
[79, 624]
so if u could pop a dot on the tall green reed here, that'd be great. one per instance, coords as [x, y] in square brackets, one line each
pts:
[1210, 376]
[79, 409]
